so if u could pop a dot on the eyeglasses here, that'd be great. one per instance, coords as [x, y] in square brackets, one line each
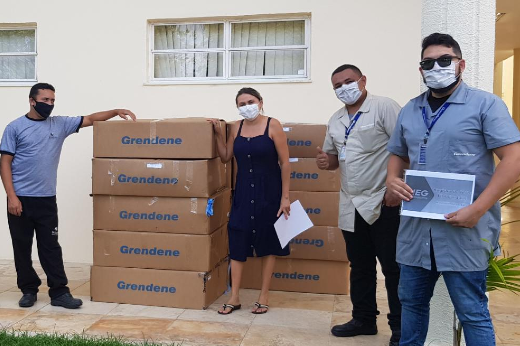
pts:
[443, 61]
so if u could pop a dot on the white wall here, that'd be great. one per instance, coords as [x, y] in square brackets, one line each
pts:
[95, 53]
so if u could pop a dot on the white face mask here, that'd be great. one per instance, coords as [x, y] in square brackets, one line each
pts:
[249, 112]
[440, 77]
[349, 93]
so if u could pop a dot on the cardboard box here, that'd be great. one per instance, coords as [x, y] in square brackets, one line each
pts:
[302, 139]
[158, 178]
[161, 214]
[319, 243]
[298, 275]
[176, 289]
[321, 207]
[306, 176]
[192, 252]
[187, 138]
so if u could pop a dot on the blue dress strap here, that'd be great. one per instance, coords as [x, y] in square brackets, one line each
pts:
[266, 133]
[240, 128]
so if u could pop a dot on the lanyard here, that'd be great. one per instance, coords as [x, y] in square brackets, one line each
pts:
[437, 117]
[351, 126]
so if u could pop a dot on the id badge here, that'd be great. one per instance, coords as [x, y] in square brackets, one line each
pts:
[422, 154]
[343, 153]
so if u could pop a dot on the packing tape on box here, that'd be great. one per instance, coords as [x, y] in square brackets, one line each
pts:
[112, 204]
[287, 129]
[189, 175]
[112, 172]
[153, 129]
[331, 236]
[153, 201]
[194, 205]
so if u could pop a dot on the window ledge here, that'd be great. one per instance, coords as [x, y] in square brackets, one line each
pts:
[18, 84]
[228, 81]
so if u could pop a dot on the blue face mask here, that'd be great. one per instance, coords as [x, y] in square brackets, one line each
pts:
[43, 109]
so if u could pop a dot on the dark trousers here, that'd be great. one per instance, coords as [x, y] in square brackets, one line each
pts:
[363, 246]
[39, 214]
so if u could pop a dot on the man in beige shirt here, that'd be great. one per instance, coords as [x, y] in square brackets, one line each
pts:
[356, 139]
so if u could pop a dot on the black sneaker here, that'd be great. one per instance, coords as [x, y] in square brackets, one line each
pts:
[67, 301]
[353, 328]
[27, 300]
[396, 337]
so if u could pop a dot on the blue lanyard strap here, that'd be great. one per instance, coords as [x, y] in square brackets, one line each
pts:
[352, 124]
[437, 117]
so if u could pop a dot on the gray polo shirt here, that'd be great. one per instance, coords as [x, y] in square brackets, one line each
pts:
[462, 140]
[36, 147]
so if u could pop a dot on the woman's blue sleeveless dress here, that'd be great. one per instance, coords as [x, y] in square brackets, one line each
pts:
[258, 191]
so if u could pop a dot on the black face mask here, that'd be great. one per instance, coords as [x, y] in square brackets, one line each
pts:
[43, 109]
[445, 89]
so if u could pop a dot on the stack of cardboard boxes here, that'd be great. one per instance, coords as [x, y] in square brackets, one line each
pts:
[318, 262]
[161, 205]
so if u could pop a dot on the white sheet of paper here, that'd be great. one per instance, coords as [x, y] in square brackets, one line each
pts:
[297, 223]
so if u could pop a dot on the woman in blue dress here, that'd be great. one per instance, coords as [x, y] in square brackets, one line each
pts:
[261, 192]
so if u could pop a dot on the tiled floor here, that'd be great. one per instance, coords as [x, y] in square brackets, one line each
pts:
[295, 319]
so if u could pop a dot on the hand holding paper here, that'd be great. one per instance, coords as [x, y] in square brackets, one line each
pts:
[297, 223]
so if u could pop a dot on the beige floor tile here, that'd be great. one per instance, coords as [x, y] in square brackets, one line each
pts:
[242, 316]
[77, 271]
[8, 280]
[305, 301]
[88, 307]
[56, 322]
[83, 290]
[318, 321]
[146, 311]
[207, 333]
[507, 332]
[10, 300]
[6, 286]
[11, 316]
[342, 303]
[131, 327]
[504, 314]
[264, 335]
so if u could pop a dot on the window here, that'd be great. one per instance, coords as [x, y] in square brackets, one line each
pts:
[230, 50]
[17, 54]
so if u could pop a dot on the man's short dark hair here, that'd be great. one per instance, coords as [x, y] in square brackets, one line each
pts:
[437, 39]
[347, 67]
[37, 87]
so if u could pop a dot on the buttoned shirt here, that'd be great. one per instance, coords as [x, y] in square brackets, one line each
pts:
[363, 172]
[461, 141]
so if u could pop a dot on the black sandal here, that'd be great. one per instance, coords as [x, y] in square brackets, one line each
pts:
[231, 306]
[260, 306]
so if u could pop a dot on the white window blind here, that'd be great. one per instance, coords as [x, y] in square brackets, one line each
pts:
[230, 50]
[17, 54]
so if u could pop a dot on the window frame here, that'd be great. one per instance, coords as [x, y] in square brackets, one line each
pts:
[227, 50]
[22, 82]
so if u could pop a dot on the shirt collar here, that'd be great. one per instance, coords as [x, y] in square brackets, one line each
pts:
[459, 96]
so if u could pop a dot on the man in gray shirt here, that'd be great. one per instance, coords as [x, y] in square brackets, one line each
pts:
[355, 142]
[31, 147]
[451, 128]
